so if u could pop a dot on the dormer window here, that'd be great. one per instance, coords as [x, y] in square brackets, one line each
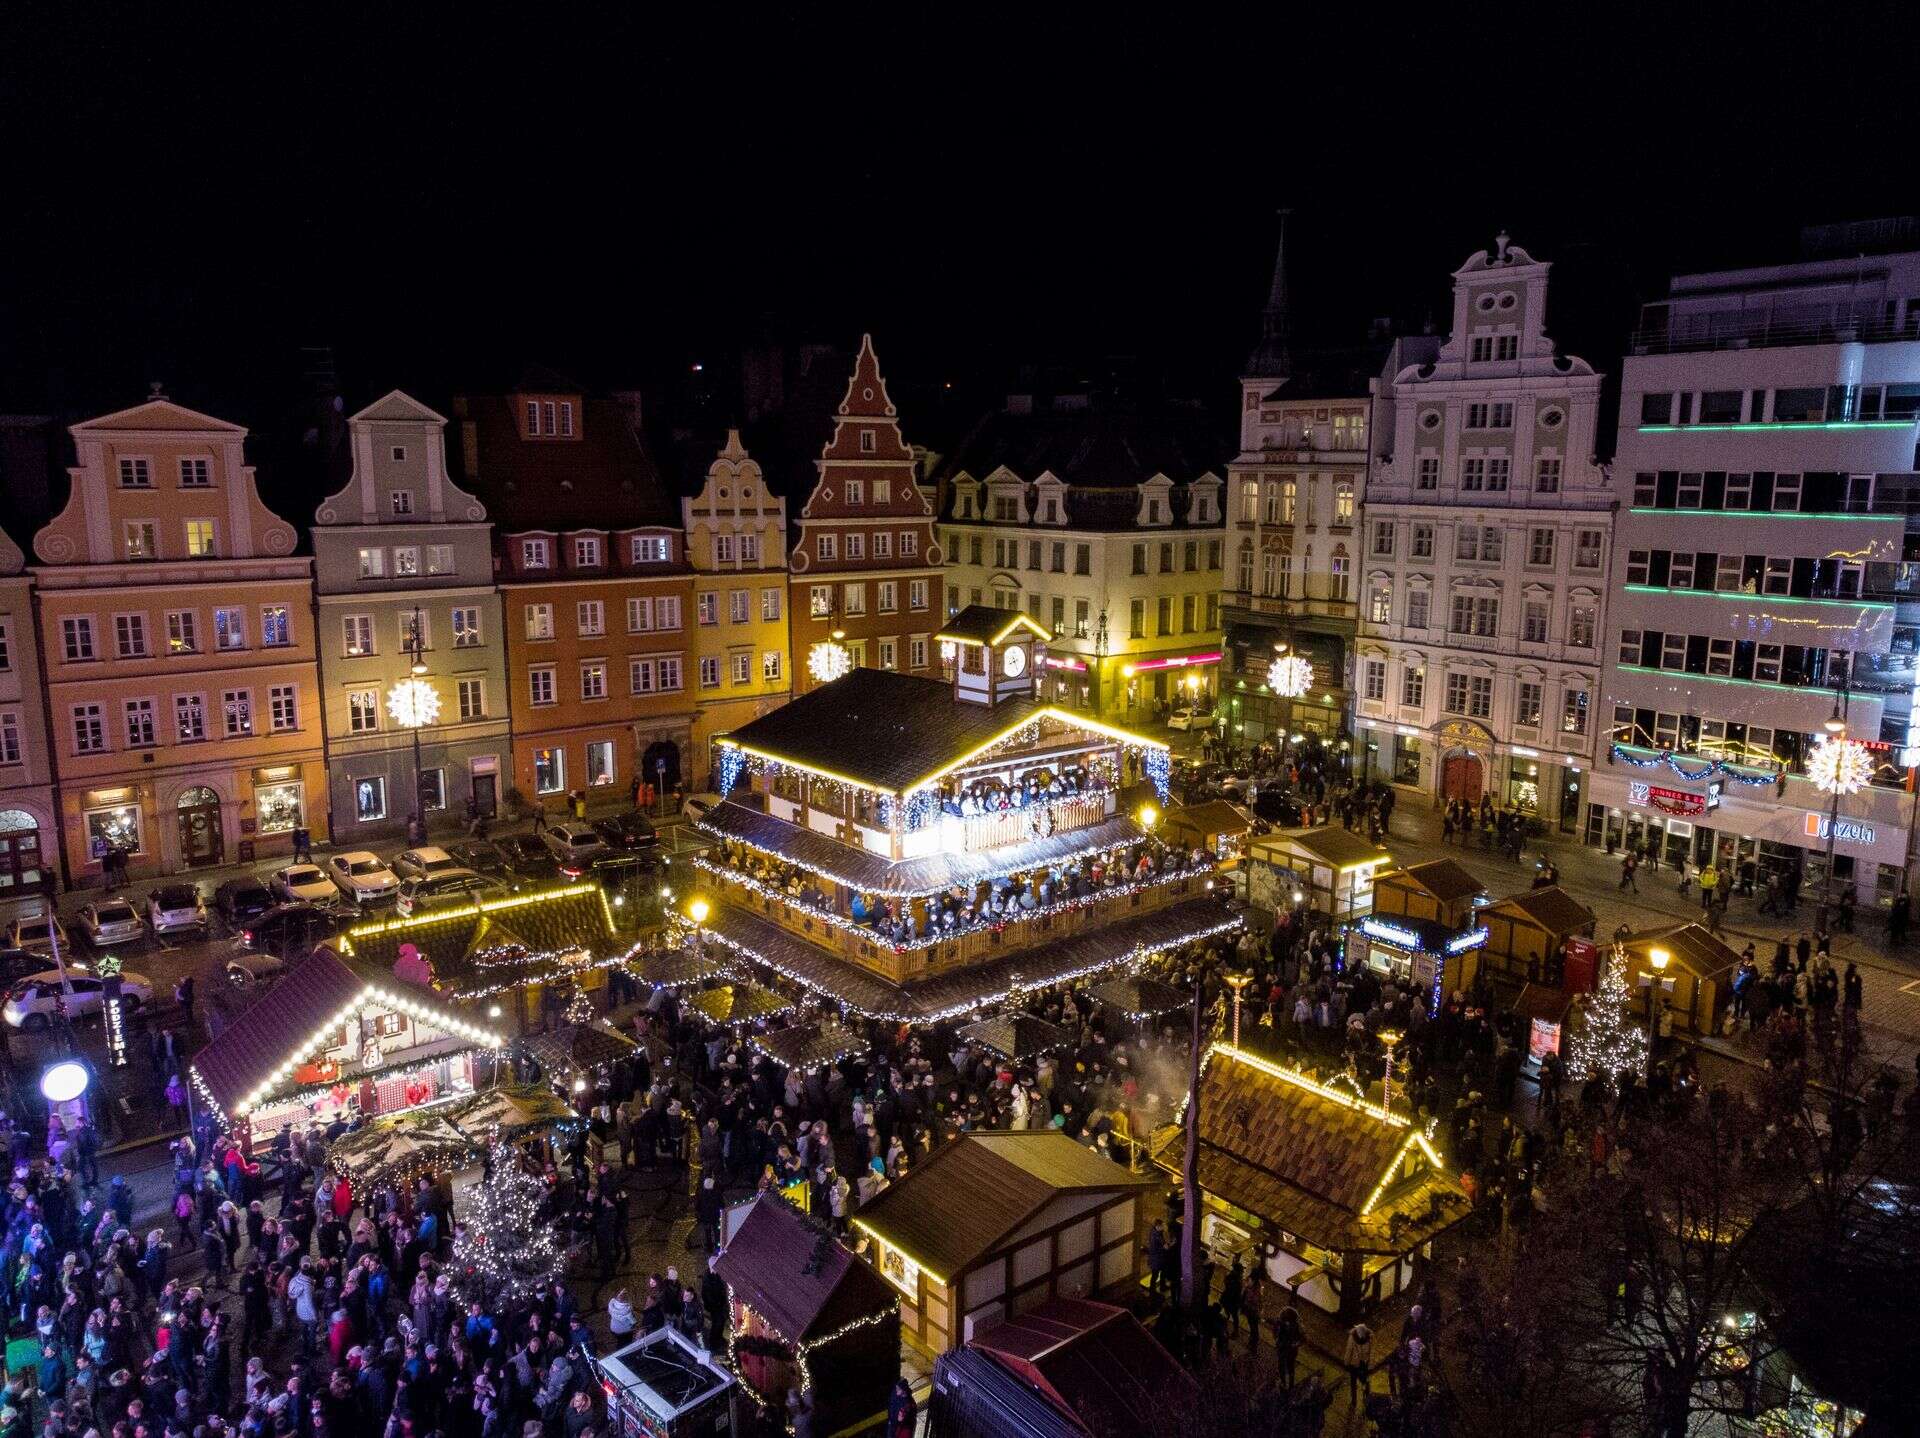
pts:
[1006, 509]
[534, 554]
[586, 553]
[652, 549]
[548, 418]
[1153, 511]
[402, 501]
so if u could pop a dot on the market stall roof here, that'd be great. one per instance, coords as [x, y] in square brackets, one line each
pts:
[1692, 947]
[1015, 1036]
[244, 1064]
[577, 1046]
[1313, 1159]
[1331, 846]
[1208, 820]
[483, 946]
[988, 624]
[972, 1195]
[739, 1002]
[1543, 1001]
[1093, 1360]
[1447, 881]
[510, 1109]
[807, 1046]
[1552, 909]
[963, 990]
[676, 968]
[392, 1148]
[795, 1275]
[1140, 997]
[871, 873]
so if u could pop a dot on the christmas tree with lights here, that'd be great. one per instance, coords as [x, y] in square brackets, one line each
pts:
[1610, 1042]
[503, 1248]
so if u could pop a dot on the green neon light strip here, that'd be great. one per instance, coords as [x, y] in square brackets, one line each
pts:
[1784, 424]
[1755, 598]
[1723, 679]
[1773, 514]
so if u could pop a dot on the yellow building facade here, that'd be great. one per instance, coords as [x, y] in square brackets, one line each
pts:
[737, 543]
[177, 627]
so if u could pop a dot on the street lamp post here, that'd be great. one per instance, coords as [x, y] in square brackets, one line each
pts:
[1659, 958]
[1834, 779]
[1388, 1038]
[413, 704]
[1238, 983]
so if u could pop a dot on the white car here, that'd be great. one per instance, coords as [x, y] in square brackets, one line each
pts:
[32, 1001]
[362, 877]
[176, 909]
[1189, 719]
[696, 806]
[575, 845]
[111, 921]
[303, 884]
[35, 933]
[423, 862]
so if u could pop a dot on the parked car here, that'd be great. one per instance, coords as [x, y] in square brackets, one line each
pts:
[695, 806]
[528, 860]
[362, 877]
[444, 890]
[416, 863]
[36, 933]
[18, 964]
[177, 909]
[290, 931]
[1189, 719]
[249, 970]
[626, 831]
[241, 899]
[1277, 807]
[303, 884]
[575, 845]
[481, 856]
[107, 922]
[32, 1001]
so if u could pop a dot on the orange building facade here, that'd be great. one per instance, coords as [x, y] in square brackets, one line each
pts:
[597, 596]
[866, 563]
[177, 627]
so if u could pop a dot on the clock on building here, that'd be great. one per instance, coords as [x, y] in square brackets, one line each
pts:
[1014, 660]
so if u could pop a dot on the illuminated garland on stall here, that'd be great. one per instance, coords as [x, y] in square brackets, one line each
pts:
[732, 763]
[800, 1350]
[1158, 764]
[1712, 769]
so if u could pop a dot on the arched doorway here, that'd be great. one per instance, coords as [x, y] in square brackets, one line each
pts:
[21, 871]
[1461, 778]
[661, 752]
[202, 841]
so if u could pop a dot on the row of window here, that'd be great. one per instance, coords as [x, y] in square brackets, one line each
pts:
[192, 473]
[140, 725]
[1471, 695]
[1472, 542]
[79, 639]
[1761, 491]
[853, 598]
[1488, 474]
[358, 638]
[1276, 573]
[654, 615]
[1737, 743]
[1282, 501]
[1802, 404]
[1793, 664]
[1478, 614]
[1188, 553]
[404, 561]
[1706, 571]
[1006, 555]
[590, 550]
[828, 545]
[140, 539]
[646, 674]
[364, 705]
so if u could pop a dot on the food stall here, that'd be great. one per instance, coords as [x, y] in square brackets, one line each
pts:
[1699, 974]
[663, 1386]
[1219, 829]
[1327, 870]
[1528, 935]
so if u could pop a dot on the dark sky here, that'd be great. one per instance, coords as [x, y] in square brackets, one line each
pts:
[442, 194]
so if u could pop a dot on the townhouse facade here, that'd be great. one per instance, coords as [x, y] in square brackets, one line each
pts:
[1104, 527]
[177, 629]
[29, 815]
[736, 538]
[1766, 589]
[596, 593]
[1483, 567]
[865, 564]
[403, 563]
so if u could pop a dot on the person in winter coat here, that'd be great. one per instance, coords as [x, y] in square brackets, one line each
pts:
[902, 1411]
[1358, 1361]
[620, 1321]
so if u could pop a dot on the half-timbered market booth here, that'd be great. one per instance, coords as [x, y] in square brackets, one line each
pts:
[916, 848]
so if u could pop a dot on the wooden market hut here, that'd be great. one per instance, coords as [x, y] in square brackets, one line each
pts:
[1439, 891]
[807, 1314]
[1527, 934]
[1347, 1195]
[1000, 1222]
[1332, 869]
[1700, 968]
[1216, 826]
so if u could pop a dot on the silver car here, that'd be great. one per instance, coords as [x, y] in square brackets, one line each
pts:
[111, 921]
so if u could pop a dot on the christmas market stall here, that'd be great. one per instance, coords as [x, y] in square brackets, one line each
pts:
[1016, 1036]
[810, 1046]
[1000, 1222]
[1425, 920]
[511, 1111]
[739, 1002]
[1336, 1193]
[806, 1316]
[1327, 870]
[339, 1040]
[1140, 998]
[571, 1054]
[1528, 935]
[400, 1149]
[1217, 827]
[1696, 974]
[663, 1386]
[678, 968]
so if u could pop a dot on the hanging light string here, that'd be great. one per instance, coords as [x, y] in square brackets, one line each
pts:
[1709, 768]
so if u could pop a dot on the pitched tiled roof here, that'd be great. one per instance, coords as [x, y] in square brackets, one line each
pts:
[957, 992]
[1553, 909]
[959, 1205]
[1444, 879]
[885, 729]
[575, 917]
[1092, 448]
[872, 874]
[796, 1276]
[248, 1050]
[1094, 1360]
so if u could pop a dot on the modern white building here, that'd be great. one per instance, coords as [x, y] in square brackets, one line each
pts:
[1764, 582]
[1482, 571]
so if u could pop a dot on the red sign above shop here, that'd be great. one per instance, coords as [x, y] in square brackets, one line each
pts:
[1667, 801]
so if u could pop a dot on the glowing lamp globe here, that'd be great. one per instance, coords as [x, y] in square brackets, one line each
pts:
[1840, 766]
[413, 704]
[64, 1081]
[828, 661]
[1290, 676]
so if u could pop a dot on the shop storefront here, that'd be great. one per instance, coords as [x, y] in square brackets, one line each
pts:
[1171, 681]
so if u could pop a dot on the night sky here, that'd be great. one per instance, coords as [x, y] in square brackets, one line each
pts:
[442, 197]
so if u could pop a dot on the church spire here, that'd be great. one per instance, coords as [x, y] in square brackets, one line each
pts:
[1272, 358]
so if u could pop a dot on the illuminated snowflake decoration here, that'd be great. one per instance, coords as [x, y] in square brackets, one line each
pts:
[828, 661]
[412, 703]
[1840, 766]
[1290, 676]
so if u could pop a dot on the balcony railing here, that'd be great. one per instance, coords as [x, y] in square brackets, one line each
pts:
[972, 833]
[1733, 330]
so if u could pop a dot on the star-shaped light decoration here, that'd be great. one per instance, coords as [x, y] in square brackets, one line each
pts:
[1290, 676]
[413, 703]
[1840, 766]
[828, 660]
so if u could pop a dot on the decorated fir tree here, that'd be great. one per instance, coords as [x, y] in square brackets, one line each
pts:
[503, 1248]
[1611, 1042]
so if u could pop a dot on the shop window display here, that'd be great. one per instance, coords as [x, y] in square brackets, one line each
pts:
[117, 827]
[280, 807]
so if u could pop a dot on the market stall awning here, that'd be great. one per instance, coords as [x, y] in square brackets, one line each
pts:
[738, 1003]
[1016, 1036]
[807, 1046]
[1140, 997]
[508, 1110]
[676, 968]
[399, 1147]
[574, 1047]
[475, 950]
[796, 1275]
